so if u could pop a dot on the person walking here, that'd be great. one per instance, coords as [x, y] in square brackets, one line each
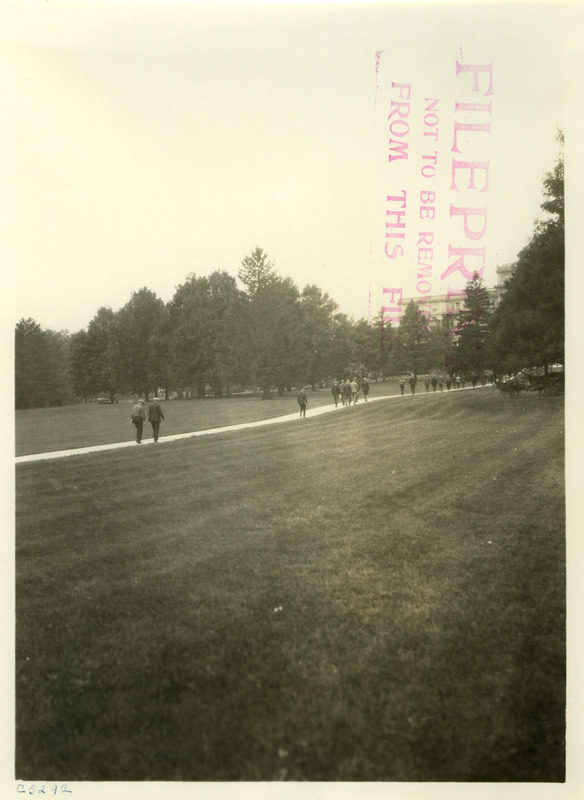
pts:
[154, 416]
[402, 385]
[458, 381]
[434, 383]
[138, 418]
[347, 391]
[413, 385]
[448, 382]
[365, 388]
[427, 384]
[354, 390]
[302, 401]
[335, 391]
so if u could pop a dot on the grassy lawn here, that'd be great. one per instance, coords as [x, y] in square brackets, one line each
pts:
[43, 430]
[374, 596]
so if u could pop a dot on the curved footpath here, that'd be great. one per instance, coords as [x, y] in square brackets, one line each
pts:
[315, 412]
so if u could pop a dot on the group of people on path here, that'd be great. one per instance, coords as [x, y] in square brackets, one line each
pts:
[348, 391]
[155, 415]
[457, 381]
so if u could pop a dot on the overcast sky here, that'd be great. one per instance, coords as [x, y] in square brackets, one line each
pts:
[152, 141]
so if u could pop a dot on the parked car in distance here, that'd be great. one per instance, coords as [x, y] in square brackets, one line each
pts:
[103, 400]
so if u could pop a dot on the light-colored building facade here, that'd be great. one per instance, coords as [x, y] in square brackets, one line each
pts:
[438, 306]
[504, 272]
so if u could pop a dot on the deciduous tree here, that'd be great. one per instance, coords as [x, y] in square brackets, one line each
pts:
[528, 326]
[317, 324]
[413, 335]
[41, 366]
[139, 341]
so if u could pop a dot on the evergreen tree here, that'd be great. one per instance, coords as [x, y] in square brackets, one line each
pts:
[256, 272]
[470, 354]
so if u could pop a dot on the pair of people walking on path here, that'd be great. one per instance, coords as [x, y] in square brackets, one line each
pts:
[155, 415]
[402, 385]
[346, 394]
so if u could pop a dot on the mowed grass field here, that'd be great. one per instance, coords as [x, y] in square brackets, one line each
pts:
[369, 595]
[50, 429]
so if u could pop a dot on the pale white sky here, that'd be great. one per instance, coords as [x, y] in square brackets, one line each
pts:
[155, 140]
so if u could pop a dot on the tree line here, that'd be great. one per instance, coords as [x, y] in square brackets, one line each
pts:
[271, 335]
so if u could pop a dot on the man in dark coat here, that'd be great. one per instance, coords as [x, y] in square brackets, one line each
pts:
[336, 392]
[302, 400]
[365, 388]
[154, 416]
[138, 418]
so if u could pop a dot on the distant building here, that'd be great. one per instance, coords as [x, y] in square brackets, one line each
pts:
[504, 272]
[438, 306]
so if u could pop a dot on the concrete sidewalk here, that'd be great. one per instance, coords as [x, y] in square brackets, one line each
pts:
[315, 412]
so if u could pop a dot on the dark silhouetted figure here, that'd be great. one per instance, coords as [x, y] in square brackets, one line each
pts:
[365, 388]
[155, 415]
[302, 400]
[335, 392]
[138, 419]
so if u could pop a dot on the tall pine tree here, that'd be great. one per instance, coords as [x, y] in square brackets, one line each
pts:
[470, 355]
